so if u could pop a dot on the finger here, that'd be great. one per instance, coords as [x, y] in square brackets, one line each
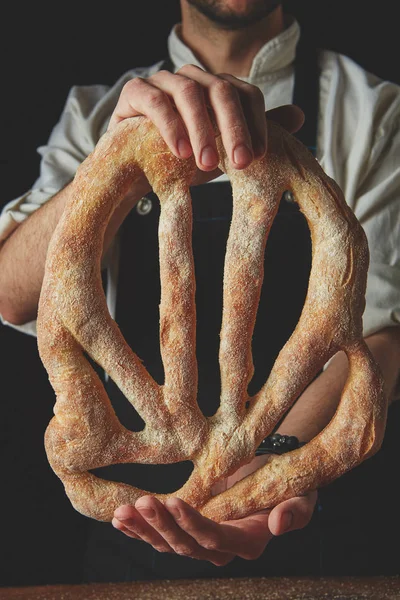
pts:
[253, 106]
[121, 527]
[188, 96]
[128, 520]
[179, 540]
[205, 176]
[246, 538]
[140, 97]
[290, 116]
[292, 514]
[224, 100]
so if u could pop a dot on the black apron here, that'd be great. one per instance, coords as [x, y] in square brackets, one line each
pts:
[111, 556]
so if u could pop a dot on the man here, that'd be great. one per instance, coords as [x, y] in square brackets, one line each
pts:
[223, 53]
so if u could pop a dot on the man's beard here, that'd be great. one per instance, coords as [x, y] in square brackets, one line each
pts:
[226, 18]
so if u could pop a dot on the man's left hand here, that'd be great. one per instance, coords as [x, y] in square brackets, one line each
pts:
[176, 527]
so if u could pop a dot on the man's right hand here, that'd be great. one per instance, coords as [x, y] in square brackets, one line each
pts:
[178, 106]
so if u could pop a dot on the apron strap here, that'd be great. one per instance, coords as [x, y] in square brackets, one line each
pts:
[306, 93]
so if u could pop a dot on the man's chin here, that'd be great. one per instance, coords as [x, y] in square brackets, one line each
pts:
[227, 18]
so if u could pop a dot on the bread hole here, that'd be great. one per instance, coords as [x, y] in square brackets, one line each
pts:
[126, 413]
[287, 268]
[161, 479]
[210, 234]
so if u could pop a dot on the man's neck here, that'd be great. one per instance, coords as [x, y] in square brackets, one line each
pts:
[225, 51]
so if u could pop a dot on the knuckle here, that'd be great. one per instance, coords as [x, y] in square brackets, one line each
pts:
[237, 134]
[201, 137]
[170, 126]
[165, 530]
[156, 99]
[161, 73]
[222, 88]
[171, 121]
[188, 68]
[257, 95]
[237, 131]
[190, 88]
[132, 85]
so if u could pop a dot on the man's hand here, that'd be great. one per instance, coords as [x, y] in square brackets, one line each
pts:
[177, 103]
[176, 527]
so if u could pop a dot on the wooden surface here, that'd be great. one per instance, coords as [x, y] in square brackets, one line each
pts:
[344, 588]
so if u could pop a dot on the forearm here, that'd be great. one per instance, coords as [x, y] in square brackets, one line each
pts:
[312, 411]
[22, 259]
[316, 406]
[23, 255]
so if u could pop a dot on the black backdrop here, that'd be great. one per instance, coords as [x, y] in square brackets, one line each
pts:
[46, 49]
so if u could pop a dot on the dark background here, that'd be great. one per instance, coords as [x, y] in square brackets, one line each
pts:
[46, 49]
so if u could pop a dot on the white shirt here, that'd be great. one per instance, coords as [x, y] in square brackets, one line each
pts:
[358, 145]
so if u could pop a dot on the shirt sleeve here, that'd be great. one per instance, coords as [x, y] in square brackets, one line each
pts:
[359, 141]
[378, 210]
[71, 140]
[82, 122]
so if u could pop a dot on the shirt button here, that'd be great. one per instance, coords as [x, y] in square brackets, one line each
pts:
[288, 197]
[144, 206]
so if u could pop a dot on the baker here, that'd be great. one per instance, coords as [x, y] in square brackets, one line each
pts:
[174, 98]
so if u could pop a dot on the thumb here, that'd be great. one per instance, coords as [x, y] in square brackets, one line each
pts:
[292, 514]
[289, 116]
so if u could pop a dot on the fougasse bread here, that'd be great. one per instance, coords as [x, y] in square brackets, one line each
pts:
[74, 323]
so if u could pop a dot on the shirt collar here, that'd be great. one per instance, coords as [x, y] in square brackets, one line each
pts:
[272, 58]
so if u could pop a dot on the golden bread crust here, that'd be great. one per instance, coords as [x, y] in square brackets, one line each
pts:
[73, 319]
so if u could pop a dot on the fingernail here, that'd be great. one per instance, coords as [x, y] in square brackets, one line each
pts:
[184, 148]
[117, 516]
[208, 157]
[124, 520]
[242, 155]
[286, 522]
[148, 513]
